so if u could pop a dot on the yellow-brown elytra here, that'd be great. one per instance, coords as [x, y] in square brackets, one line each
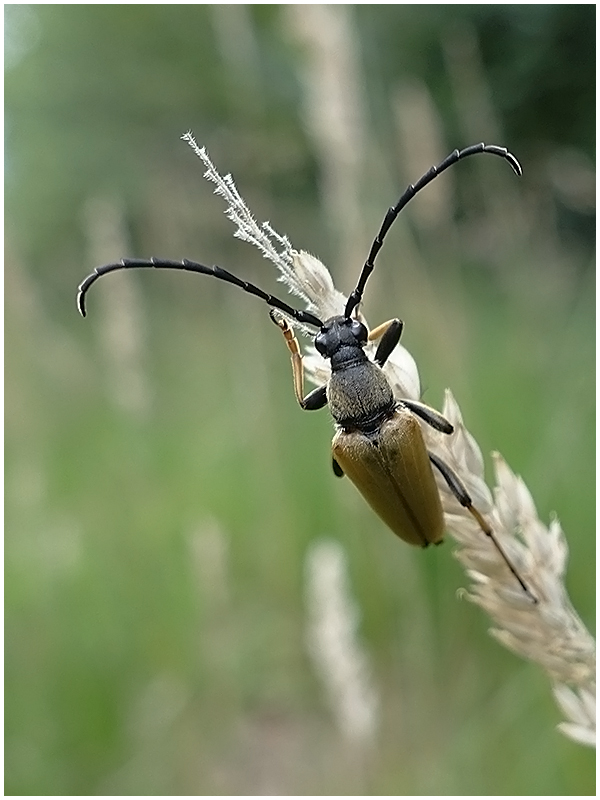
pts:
[378, 442]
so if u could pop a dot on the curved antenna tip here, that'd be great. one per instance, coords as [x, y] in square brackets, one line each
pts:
[81, 299]
[512, 160]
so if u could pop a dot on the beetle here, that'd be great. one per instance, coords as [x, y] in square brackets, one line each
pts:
[378, 442]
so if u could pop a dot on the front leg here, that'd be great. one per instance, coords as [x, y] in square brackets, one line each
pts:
[318, 397]
[390, 333]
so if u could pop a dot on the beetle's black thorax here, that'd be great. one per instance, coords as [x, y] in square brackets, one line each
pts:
[359, 395]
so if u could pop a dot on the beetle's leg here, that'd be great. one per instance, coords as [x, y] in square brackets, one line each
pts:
[315, 400]
[390, 333]
[430, 415]
[458, 490]
[318, 397]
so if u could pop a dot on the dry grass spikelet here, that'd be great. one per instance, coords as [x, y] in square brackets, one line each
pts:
[548, 632]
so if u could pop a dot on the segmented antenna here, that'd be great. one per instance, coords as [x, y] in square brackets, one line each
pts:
[193, 266]
[411, 190]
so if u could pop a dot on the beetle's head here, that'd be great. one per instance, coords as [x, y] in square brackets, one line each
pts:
[339, 332]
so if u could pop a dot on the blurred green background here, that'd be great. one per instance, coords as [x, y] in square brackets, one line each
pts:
[162, 486]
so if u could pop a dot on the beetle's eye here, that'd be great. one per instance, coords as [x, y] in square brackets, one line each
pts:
[359, 331]
[321, 343]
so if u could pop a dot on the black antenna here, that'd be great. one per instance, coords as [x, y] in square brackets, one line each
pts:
[192, 266]
[411, 190]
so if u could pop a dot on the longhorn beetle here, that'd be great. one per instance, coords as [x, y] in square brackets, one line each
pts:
[378, 442]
